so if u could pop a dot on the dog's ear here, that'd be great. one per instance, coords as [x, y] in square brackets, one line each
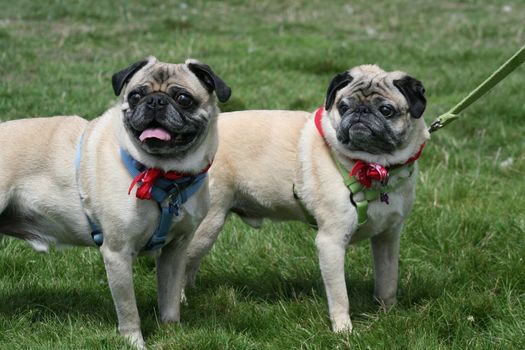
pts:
[210, 80]
[338, 82]
[414, 93]
[121, 78]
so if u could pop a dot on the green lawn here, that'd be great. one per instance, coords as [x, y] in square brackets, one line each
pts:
[462, 269]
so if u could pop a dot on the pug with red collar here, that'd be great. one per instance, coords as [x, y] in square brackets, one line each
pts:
[131, 181]
[350, 169]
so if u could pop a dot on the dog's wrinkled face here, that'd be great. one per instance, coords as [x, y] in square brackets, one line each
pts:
[372, 110]
[167, 107]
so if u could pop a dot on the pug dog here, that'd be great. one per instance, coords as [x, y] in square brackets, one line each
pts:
[67, 181]
[286, 165]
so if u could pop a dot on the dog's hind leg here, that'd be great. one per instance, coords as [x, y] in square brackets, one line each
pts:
[3, 205]
[203, 240]
[4, 199]
[170, 279]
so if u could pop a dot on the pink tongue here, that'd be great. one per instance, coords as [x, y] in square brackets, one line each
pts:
[156, 133]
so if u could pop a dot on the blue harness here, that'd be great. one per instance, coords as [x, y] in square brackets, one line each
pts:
[170, 195]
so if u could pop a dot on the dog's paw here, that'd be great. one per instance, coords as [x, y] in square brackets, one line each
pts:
[342, 325]
[386, 303]
[169, 317]
[135, 339]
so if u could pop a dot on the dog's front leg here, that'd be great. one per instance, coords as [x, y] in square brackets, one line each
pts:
[332, 247]
[385, 249]
[171, 265]
[120, 278]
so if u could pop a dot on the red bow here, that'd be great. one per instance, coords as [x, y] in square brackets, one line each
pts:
[148, 177]
[366, 172]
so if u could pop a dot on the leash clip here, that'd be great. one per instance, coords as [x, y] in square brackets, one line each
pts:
[174, 208]
[436, 125]
[173, 203]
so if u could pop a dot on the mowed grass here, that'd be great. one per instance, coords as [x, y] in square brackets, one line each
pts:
[462, 274]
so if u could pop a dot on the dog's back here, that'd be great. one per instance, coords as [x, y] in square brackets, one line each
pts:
[30, 157]
[256, 162]
[29, 141]
[252, 175]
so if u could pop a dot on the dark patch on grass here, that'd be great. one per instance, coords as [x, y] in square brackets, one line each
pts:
[296, 27]
[234, 104]
[177, 24]
[4, 35]
[325, 66]
[273, 288]
[314, 65]
[57, 302]
[97, 37]
[419, 291]
[300, 103]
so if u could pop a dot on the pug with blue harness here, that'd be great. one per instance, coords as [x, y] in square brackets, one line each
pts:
[132, 181]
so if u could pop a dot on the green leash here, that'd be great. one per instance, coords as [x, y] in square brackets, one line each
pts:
[514, 62]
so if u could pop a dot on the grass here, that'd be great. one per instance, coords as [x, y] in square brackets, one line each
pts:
[462, 276]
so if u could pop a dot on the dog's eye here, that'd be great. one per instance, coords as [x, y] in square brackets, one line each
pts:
[343, 108]
[387, 110]
[184, 100]
[134, 98]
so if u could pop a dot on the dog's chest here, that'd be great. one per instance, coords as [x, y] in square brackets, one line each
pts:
[189, 217]
[386, 213]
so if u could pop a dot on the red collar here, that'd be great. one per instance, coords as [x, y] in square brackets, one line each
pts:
[366, 172]
[317, 120]
[149, 176]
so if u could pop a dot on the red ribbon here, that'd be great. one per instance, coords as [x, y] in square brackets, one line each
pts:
[148, 177]
[415, 156]
[366, 172]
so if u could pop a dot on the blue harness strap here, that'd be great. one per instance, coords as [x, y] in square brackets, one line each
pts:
[96, 233]
[174, 193]
[170, 195]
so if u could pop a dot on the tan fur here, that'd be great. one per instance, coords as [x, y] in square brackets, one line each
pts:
[262, 154]
[40, 199]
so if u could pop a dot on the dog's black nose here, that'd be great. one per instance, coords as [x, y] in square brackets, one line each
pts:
[156, 102]
[362, 109]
